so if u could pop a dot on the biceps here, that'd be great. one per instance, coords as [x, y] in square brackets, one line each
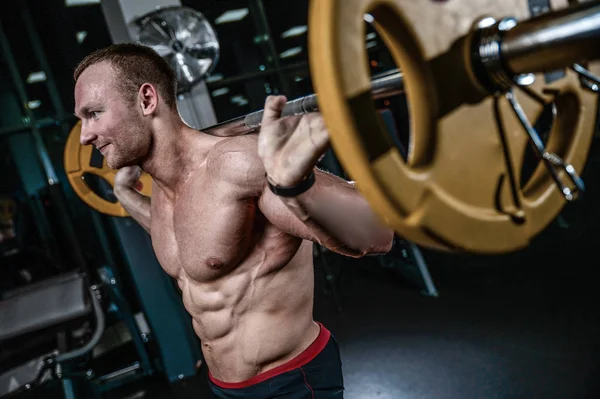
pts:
[281, 217]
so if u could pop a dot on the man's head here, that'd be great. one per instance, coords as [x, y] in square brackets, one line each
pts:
[118, 91]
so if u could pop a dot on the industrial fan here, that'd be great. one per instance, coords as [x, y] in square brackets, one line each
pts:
[184, 38]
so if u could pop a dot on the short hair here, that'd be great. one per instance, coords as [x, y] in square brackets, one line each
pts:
[135, 64]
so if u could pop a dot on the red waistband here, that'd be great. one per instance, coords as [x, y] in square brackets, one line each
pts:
[306, 356]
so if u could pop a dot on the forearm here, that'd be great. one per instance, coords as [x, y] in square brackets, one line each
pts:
[136, 204]
[340, 218]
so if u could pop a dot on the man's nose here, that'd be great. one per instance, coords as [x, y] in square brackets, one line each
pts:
[87, 136]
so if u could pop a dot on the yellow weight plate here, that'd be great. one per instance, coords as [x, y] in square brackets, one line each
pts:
[77, 163]
[457, 189]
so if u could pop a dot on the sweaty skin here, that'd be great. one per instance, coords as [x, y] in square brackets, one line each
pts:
[242, 259]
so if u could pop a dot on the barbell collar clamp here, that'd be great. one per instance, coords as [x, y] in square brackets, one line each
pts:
[551, 161]
[487, 60]
[588, 79]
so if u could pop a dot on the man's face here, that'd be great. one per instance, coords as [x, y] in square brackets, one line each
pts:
[110, 122]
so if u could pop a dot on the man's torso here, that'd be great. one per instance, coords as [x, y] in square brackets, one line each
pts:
[247, 285]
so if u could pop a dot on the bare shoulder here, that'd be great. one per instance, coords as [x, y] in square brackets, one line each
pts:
[235, 161]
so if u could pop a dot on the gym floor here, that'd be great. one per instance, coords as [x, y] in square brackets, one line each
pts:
[522, 325]
[502, 328]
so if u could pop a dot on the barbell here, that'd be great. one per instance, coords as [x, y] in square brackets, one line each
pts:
[476, 74]
[77, 158]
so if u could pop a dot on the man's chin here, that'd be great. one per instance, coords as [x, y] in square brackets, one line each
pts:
[115, 165]
[116, 162]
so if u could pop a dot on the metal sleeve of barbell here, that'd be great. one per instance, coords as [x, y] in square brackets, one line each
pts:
[554, 40]
[299, 106]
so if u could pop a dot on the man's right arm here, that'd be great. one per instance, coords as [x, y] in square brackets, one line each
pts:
[136, 204]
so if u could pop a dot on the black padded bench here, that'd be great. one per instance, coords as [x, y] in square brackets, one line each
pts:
[39, 308]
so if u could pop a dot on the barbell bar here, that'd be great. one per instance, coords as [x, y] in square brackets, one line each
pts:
[385, 85]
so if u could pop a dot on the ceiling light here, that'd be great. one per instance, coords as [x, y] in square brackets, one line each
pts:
[232, 16]
[34, 104]
[35, 77]
[294, 31]
[291, 52]
[220, 92]
[372, 43]
[371, 36]
[214, 78]
[80, 36]
[239, 100]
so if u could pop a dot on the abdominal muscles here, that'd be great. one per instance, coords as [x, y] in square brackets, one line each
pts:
[257, 315]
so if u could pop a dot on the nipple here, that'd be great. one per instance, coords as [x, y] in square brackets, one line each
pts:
[214, 263]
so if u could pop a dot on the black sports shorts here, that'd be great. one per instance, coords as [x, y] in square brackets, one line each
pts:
[316, 373]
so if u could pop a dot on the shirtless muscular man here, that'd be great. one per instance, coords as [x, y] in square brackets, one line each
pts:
[232, 220]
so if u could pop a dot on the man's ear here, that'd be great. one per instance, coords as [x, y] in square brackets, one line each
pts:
[148, 98]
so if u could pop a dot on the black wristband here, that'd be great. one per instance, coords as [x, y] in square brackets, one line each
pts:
[293, 191]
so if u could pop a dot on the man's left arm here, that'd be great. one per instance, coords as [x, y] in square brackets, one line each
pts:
[333, 210]
[335, 214]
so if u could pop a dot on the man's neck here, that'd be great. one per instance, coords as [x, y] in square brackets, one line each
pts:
[171, 156]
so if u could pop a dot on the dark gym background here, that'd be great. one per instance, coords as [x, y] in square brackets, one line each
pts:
[521, 325]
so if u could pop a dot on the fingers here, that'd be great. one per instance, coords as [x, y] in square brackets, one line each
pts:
[128, 175]
[318, 134]
[314, 141]
[132, 172]
[290, 146]
[273, 108]
[272, 134]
